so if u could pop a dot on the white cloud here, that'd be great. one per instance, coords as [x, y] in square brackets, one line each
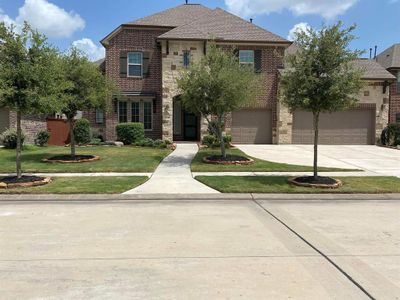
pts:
[326, 8]
[46, 17]
[93, 51]
[298, 27]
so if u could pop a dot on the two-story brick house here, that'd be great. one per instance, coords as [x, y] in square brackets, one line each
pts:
[390, 60]
[145, 58]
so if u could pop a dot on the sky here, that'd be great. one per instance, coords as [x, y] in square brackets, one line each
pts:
[83, 23]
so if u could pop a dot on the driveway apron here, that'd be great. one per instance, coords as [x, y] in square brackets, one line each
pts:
[173, 175]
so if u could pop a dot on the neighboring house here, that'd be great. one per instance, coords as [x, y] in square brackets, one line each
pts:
[362, 124]
[30, 124]
[390, 60]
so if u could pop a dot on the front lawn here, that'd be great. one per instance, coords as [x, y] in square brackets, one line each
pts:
[279, 184]
[113, 159]
[82, 185]
[258, 166]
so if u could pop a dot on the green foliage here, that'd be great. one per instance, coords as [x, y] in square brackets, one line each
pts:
[82, 132]
[391, 135]
[30, 73]
[211, 141]
[86, 87]
[322, 76]
[97, 134]
[217, 85]
[130, 133]
[9, 138]
[42, 137]
[147, 142]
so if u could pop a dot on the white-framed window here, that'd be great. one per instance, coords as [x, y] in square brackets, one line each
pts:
[135, 64]
[246, 57]
[99, 116]
[135, 112]
[148, 115]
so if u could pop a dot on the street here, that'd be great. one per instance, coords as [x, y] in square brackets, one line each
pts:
[200, 249]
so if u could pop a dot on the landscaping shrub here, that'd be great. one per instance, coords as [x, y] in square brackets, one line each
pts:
[145, 142]
[130, 133]
[82, 132]
[391, 135]
[212, 142]
[9, 138]
[42, 138]
[97, 134]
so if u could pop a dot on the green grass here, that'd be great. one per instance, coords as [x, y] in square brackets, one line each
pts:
[258, 166]
[279, 184]
[82, 185]
[113, 159]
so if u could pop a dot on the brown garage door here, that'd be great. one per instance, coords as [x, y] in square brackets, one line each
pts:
[252, 126]
[4, 120]
[352, 127]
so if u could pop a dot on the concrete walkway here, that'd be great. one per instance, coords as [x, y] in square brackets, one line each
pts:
[173, 175]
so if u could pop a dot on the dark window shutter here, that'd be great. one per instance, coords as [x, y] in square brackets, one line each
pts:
[258, 61]
[146, 63]
[123, 64]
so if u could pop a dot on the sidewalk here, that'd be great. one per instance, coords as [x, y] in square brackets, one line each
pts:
[173, 175]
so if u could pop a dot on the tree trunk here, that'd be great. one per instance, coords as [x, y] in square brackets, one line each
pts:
[72, 136]
[221, 136]
[19, 146]
[316, 123]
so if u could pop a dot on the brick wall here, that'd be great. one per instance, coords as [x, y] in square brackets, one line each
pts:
[30, 125]
[272, 60]
[394, 102]
[136, 40]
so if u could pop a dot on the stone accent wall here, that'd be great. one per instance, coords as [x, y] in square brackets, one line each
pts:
[394, 99]
[371, 95]
[172, 64]
[143, 40]
[30, 125]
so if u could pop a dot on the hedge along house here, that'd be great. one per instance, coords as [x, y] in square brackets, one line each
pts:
[146, 56]
[361, 124]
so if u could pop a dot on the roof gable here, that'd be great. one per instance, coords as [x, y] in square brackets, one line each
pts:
[174, 17]
[220, 25]
[390, 58]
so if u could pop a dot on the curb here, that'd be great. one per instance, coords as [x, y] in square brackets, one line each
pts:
[194, 197]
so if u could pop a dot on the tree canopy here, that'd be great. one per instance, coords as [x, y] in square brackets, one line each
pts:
[218, 85]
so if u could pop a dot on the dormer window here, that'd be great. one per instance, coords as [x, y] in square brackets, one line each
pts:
[135, 64]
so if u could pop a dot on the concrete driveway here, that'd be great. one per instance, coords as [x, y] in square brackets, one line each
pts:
[373, 159]
[199, 250]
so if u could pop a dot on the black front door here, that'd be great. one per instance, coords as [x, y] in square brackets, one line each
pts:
[190, 125]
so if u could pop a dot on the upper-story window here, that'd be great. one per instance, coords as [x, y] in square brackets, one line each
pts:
[246, 57]
[135, 64]
[398, 82]
[186, 58]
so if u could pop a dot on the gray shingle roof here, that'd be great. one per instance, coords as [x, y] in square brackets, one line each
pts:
[174, 17]
[390, 58]
[371, 70]
[221, 25]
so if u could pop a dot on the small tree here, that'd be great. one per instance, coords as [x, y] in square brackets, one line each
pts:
[30, 79]
[87, 88]
[216, 86]
[321, 77]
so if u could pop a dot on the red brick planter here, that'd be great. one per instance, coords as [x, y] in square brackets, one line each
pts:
[231, 162]
[94, 158]
[45, 181]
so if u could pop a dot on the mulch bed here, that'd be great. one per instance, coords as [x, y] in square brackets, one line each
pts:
[228, 160]
[68, 159]
[320, 182]
[24, 181]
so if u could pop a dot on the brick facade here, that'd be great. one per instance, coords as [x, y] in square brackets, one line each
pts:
[30, 125]
[394, 103]
[131, 39]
